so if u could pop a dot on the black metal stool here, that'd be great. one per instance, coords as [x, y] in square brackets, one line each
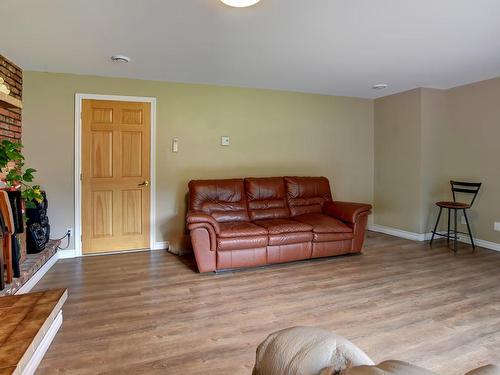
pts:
[457, 187]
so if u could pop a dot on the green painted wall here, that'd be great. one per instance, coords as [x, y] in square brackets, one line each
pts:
[272, 133]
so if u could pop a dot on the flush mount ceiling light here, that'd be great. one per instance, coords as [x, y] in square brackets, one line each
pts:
[379, 86]
[120, 59]
[240, 3]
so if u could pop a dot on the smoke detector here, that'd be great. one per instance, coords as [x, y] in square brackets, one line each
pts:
[120, 59]
[379, 86]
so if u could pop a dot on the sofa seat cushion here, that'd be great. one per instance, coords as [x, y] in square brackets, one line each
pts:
[280, 226]
[323, 223]
[289, 238]
[242, 243]
[327, 237]
[240, 229]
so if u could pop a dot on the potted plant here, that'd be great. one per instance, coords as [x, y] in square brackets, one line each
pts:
[14, 175]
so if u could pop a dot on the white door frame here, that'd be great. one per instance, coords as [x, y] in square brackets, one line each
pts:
[78, 164]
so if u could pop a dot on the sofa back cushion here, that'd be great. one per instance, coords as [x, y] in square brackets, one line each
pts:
[306, 195]
[266, 198]
[223, 199]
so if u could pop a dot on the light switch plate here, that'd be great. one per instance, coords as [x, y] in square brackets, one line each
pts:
[224, 140]
[497, 226]
[175, 144]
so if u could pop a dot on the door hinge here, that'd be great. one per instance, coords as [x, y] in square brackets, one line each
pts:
[81, 238]
[81, 177]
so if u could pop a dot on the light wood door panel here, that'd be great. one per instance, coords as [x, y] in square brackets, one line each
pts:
[102, 154]
[132, 208]
[115, 165]
[131, 154]
[102, 214]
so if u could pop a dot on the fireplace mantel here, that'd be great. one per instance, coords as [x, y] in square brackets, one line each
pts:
[7, 101]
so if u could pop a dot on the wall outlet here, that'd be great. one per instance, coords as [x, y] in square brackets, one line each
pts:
[497, 226]
[69, 231]
[224, 140]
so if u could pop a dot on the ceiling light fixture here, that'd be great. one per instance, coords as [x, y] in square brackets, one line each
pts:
[240, 3]
[120, 59]
[379, 86]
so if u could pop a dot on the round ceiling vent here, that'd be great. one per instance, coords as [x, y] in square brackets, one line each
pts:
[120, 59]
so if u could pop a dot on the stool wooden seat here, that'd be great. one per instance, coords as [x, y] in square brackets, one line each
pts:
[471, 188]
[453, 205]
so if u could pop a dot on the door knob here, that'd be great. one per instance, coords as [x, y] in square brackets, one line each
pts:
[144, 183]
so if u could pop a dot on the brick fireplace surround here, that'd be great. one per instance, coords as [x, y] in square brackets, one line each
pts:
[10, 119]
[11, 128]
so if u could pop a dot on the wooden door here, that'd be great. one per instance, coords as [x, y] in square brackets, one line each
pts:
[116, 175]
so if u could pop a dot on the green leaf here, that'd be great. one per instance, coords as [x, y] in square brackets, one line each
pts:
[29, 204]
[12, 152]
[14, 175]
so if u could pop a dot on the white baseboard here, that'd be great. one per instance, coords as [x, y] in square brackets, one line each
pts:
[481, 243]
[71, 253]
[163, 245]
[398, 232]
[38, 275]
[427, 236]
[44, 346]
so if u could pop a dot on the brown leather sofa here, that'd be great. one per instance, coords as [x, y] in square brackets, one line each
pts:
[251, 222]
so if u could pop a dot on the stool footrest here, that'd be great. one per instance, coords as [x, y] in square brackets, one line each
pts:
[451, 236]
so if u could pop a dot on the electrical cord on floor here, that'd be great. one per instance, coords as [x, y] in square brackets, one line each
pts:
[67, 235]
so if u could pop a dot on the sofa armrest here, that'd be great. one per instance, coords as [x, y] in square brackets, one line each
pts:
[204, 242]
[346, 211]
[212, 237]
[197, 217]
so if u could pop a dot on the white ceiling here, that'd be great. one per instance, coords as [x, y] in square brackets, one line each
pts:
[338, 47]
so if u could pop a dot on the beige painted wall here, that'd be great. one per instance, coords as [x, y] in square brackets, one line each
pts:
[472, 149]
[433, 184]
[397, 161]
[272, 133]
[424, 138]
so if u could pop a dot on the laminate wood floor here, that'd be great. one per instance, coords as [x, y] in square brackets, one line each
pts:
[150, 313]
